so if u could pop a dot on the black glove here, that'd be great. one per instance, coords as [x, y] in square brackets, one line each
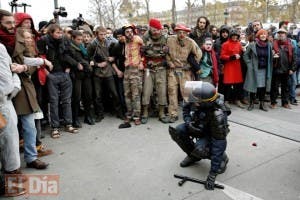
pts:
[210, 181]
[233, 57]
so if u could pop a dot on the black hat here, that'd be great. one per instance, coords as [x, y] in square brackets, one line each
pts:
[42, 24]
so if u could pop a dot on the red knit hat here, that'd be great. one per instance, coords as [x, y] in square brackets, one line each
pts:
[155, 23]
[260, 32]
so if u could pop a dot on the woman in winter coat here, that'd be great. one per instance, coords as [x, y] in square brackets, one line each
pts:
[259, 60]
[231, 52]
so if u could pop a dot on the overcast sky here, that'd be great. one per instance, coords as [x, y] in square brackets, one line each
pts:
[43, 9]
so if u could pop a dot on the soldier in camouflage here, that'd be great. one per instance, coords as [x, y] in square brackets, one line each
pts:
[155, 74]
[181, 47]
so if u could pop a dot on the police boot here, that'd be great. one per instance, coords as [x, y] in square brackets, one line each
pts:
[162, 117]
[189, 160]
[223, 165]
[145, 115]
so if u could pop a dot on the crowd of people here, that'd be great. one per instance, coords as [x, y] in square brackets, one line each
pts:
[52, 75]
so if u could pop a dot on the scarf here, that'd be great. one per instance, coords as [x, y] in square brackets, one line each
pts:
[287, 44]
[80, 48]
[261, 43]
[213, 57]
[8, 40]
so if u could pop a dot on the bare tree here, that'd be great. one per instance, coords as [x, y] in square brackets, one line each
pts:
[147, 2]
[204, 7]
[174, 11]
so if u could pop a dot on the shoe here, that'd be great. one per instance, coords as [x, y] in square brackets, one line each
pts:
[294, 102]
[189, 160]
[250, 107]
[245, 102]
[239, 104]
[287, 106]
[89, 120]
[164, 119]
[55, 133]
[99, 118]
[173, 119]
[262, 106]
[273, 105]
[37, 164]
[42, 151]
[77, 124]
[125, 125]
[144, 120]
[71, 129]
[137, 121]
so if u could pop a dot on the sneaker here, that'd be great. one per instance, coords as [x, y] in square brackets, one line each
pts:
[125, 125]
[188, 160]
[239, 104]
[287, 106]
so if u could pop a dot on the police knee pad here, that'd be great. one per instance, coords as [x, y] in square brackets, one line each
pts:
[220, 125]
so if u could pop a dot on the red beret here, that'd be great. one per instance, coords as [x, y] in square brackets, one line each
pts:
[182, 27]
[155, 23]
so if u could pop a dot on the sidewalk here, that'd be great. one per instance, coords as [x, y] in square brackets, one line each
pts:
[103, 162]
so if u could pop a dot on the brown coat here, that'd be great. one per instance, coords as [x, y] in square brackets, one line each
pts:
[25, 102]
[178, 54]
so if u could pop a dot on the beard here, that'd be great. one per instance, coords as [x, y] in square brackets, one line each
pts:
[9, 31]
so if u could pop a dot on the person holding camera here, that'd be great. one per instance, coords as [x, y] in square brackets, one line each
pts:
[81, 73]
[203, 133]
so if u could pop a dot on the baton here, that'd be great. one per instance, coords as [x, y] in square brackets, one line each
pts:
[186, 178]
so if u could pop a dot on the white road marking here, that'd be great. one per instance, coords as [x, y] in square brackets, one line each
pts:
[236, 194]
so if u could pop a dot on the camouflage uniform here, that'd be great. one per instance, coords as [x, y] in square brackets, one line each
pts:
[133, 77]
[178, 55]
[155, 75]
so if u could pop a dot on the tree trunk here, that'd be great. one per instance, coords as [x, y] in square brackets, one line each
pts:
[174, 11]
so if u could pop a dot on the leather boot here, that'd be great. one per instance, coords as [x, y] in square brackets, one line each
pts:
[145, 115]
[189, 160]
[262, 106]
[89, 120]
[251, 105]
[162, 117]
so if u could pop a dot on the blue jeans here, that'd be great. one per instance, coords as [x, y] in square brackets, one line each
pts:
[292, 83]
[29, 136]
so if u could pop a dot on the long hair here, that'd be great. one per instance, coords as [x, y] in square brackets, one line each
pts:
[206, 19]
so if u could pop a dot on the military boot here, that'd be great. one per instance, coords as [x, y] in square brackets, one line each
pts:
[188, 160]
[145, 115]
[162, 117]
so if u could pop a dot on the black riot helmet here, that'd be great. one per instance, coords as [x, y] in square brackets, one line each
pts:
[200, 92]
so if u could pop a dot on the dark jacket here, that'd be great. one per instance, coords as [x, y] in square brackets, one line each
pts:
[118, 52]
[55, 51]
[75, 56]
[198, 36]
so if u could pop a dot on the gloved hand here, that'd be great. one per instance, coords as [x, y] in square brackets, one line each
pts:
[13, 93]
[210, 181]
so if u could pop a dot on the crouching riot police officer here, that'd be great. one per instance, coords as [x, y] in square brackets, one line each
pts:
[203, 133]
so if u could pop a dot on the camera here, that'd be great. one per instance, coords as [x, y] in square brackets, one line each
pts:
[79, 21]
[61, 11]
